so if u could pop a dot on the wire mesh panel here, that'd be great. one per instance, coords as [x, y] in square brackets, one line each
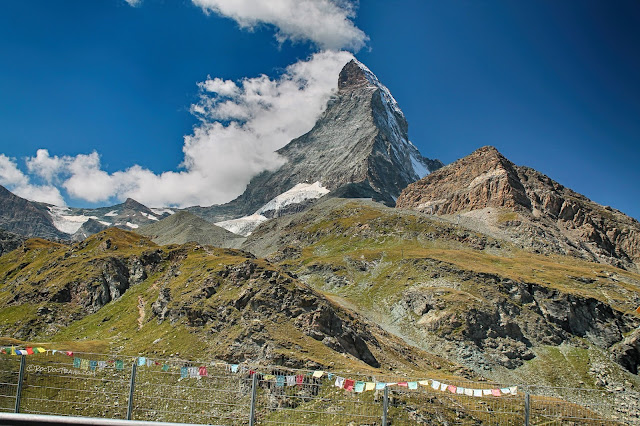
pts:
[61, 385]
[9, 370]
[455, 402]
[556, 405]
[295, 397]
[206, 394]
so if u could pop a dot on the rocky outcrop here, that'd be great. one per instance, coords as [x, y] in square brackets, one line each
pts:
[569, 222]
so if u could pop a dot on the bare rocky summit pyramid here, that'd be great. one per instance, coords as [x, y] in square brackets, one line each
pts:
[358, 148]
[490, 192]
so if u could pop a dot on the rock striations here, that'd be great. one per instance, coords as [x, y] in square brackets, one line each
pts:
[484, 186]
[358, 148]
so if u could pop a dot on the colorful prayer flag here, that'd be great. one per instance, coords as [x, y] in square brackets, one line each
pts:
[203, 371]
[486, 392]
[280, 381]
[505, 391]
[359, 387]
[513, 390]
[477, 392]
[299, 379]
[468, 392]
[76, 362]
[339, 382]
[29, 351]
[184, 372]
[349, 384]
[495, 392]
[165, 367]
[435, 384]
[423, 382]
[119, 364]
[412, 385]
[452, 388]
[460, 390]
[84, 364]
[380, 385]
[318, 374]
[403, 384]
[234, 368]
[443, 387]
[369, 386]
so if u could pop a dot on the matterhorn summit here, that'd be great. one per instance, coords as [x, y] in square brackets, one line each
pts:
[359, 147]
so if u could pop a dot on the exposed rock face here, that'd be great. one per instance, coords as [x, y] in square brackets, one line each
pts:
[361, 138]
[26, 217]
[9, 241]
[569, 222]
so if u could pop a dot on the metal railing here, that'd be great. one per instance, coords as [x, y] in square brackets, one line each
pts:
[178, 391]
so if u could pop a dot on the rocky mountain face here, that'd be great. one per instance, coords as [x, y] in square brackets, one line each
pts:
[34, 219]
[26, 218]
[493, 194]
[359, 142]
[9, 241]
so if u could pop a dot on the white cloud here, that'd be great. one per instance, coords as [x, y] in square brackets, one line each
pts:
[242, 124]
[134, 3]
[19, 184]
[327, 23]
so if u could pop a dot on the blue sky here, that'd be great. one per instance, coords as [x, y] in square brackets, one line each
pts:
[110, 90]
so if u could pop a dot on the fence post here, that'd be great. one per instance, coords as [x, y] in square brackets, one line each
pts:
[254, 392]
[385, 406]
[23, 362]
[132, 386]
[527, 409]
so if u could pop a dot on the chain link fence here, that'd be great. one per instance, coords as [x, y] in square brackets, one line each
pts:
[173, 390]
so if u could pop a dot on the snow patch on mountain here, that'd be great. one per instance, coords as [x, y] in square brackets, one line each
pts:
[149, 216]
[112, 213]
[65, 222]
[162, 211]
[105, 223]
[243, 225]
[296, 195]
[419, 167]
[132, 225]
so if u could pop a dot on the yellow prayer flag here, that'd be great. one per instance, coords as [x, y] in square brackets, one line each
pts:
[13, 351]
[423, 382]
[369, 386]
[269, 377]
[318, 374]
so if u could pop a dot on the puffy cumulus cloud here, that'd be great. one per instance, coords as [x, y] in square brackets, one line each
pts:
[19, 183]
[327, 23]
[242, 124]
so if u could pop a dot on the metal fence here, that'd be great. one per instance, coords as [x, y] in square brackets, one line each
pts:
[180, 391]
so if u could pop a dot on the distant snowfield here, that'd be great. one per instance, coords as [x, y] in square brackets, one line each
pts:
[149, 216]
[301, 192]
[67, 223]
[418, 167]
[296, 195]
[243, 225]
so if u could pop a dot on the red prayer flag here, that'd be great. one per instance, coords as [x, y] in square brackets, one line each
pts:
[251, 372]
[29, 351]
[299, 379]
[348, 384]
[495, 392]
[203, 371]
[452, 388]
[403, 384]
[69, 353]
